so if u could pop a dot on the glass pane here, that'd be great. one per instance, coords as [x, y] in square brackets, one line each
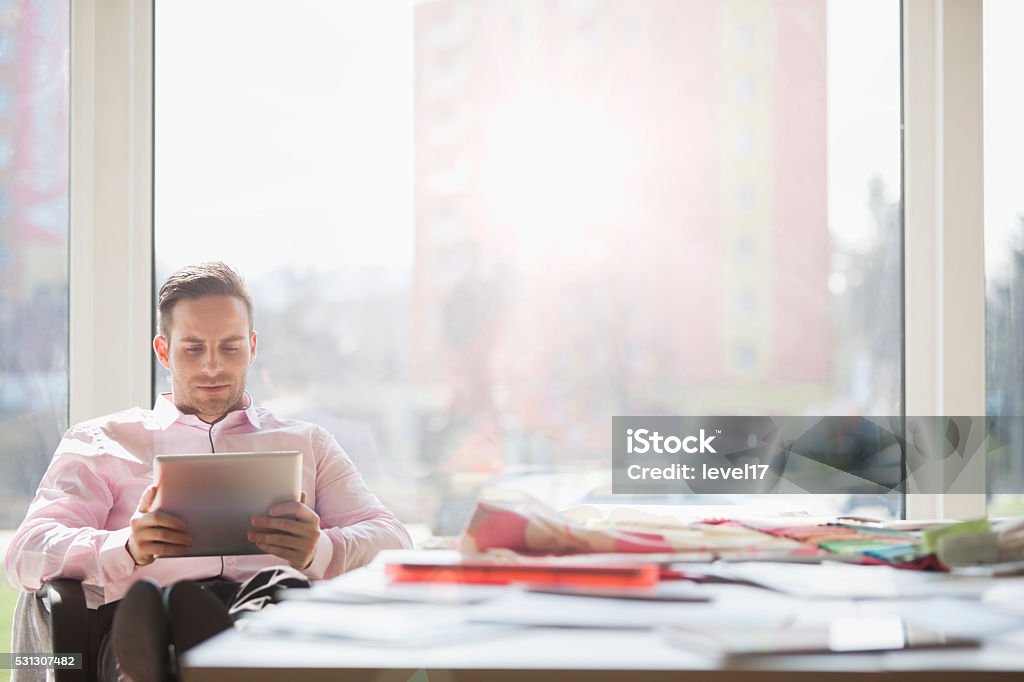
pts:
[1004, 244]
[34, 53]
[476, 230]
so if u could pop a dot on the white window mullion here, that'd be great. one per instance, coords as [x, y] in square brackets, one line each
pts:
[111, 206]
[944, 226]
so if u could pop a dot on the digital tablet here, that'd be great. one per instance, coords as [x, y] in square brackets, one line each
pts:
[217, 494]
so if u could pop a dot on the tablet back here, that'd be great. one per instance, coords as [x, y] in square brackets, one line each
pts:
[217, 494]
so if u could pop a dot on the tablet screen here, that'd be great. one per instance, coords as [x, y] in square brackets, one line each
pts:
[217, 494]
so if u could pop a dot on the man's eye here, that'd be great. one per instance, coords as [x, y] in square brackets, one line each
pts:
[230, 349]
[194, 349]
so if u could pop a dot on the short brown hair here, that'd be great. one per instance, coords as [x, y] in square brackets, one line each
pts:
[195, 281]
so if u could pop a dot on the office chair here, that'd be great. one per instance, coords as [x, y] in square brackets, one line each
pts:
[74, 628]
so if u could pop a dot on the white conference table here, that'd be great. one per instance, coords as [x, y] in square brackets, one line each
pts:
[294, 641]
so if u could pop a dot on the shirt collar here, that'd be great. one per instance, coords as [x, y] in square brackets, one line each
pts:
[167, 412]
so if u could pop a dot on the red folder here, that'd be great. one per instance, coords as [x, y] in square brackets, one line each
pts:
[625, 575]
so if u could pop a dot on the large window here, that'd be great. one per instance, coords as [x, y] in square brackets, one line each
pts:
[476, 230]
[34, 49]
[1004, 246]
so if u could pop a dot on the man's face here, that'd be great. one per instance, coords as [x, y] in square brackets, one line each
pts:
[208, 353]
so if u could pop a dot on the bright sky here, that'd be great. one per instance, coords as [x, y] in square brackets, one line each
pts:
[284, 132]
[863, 113]
[1004, 133]
[284, 136]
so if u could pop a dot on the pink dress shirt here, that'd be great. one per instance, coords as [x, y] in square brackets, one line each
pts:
[77, 525]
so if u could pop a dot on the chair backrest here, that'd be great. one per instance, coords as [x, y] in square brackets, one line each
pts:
[54, 620]
[70, 628]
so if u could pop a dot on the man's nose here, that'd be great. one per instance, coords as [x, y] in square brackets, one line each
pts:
[211, 362]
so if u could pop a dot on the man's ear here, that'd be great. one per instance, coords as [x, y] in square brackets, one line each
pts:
[161, 348]
[252, 347]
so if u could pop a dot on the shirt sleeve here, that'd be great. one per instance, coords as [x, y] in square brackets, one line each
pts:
[354, 524]
[62, 534]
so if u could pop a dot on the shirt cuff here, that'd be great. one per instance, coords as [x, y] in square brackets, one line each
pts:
[321, 558]
[115, 561]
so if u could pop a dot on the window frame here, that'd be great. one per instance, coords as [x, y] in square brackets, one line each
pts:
[944, 256]
[111, 206]
[111, 240]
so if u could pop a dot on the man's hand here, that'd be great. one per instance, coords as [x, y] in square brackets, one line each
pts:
[155, 533]
[292, 540]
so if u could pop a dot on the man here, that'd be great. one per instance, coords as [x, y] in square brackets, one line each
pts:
[92, 517]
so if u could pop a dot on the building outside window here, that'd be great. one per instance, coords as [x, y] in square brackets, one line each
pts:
[507, 222]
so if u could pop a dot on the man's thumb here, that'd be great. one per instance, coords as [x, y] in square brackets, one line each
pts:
[147, 499]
